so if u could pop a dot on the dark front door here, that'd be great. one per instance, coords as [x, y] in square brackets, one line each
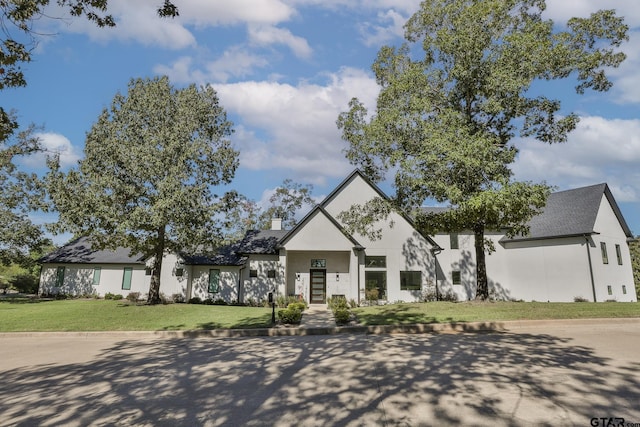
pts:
[318, 286]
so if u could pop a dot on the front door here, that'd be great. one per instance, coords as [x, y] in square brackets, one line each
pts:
[318, 286]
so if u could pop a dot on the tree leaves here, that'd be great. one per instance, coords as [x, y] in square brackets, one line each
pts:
[446, 116]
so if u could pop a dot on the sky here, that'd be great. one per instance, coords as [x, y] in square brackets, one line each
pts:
[284, 70]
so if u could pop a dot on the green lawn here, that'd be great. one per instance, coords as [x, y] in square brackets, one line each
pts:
[20, 315]
[442, 312]
[106, 315]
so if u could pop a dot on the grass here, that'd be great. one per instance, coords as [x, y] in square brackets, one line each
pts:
[23, 315]
[443, 312]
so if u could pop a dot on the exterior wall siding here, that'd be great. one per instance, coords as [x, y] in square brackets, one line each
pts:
[78, 279]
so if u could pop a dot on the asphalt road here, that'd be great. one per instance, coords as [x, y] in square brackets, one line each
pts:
[546, 374]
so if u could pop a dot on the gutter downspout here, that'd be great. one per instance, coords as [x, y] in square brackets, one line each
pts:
[593, 283]
[435, 252]
[240, 288]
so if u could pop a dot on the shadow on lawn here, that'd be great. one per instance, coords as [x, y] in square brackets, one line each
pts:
[397, 314]
[480, 379]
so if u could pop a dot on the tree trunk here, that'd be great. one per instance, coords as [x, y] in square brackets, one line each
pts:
[482, 292]
[154, 288]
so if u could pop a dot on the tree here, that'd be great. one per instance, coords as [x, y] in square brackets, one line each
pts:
[151, 161]
[22, 192]
[634, 248]
[445, 119]
[286, 201]
[244, 214]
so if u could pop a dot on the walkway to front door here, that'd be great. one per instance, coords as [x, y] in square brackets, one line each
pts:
[318, 286]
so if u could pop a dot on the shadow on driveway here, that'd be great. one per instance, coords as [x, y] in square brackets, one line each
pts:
[480, 379]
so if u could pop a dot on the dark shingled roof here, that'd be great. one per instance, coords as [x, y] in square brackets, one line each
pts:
[224, 256]
[79, 251]
[264, 242]
[567, 213]
[572, 213]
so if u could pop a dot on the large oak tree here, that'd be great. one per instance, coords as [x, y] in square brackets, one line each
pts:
[151, 163]
[21, 192]
[454, 96]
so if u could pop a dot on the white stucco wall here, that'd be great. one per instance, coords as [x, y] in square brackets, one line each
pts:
[612, 274]
[258, 288]
[404, 248]
[78, 279]
[229, 277]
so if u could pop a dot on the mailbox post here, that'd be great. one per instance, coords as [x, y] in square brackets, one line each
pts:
[273, 308]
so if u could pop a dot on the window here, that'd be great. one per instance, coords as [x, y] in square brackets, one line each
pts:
[271, 274]
[318, 263]
[375, 261]
[410, 280]
[453, 238]
[126, 278]
[624, 289]
[214, 281]
[60, 277]
[609, 290]
[96, 275]
[179, 272]
[147, 271]
[253, 273]
[619, 254]
[603, 249]
[375, 284]
[455, 277]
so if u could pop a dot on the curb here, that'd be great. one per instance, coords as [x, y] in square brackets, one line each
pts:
[458, 327]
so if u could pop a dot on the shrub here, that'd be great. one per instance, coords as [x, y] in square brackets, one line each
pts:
[208, 301]
[299, 305]
[336, 302]
[219, 301]
[580, 299]
[281, 301]
[371, 294]
[352, 303]
[111, 296]
[341, 316]
[178, 298]
[449, 296]
[195, 300]
[133, 297]
[25, 283]
[290, 316]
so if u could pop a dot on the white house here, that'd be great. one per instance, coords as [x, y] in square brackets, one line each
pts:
[577, 248]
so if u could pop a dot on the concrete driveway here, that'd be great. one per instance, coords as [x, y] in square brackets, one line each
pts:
[542, 374]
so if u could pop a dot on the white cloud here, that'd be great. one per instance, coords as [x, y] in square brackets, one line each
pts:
[599, 150]
[390, 25]
[296, 124]
[563, 10]
[234, 62]
[269, 35]
[52, 143]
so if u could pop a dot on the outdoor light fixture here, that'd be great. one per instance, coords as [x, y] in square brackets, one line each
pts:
[337, 277]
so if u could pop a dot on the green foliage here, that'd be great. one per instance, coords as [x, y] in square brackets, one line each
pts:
[195, 300]
[445, 120]
[25, 283]
[151, 163]
[290, 316]
[298, 305]
[634, 248]
[133, 297]
[341, 315]
[22, 192]
[111, 296]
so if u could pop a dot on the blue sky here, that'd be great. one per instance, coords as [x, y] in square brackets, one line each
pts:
[284, 70]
